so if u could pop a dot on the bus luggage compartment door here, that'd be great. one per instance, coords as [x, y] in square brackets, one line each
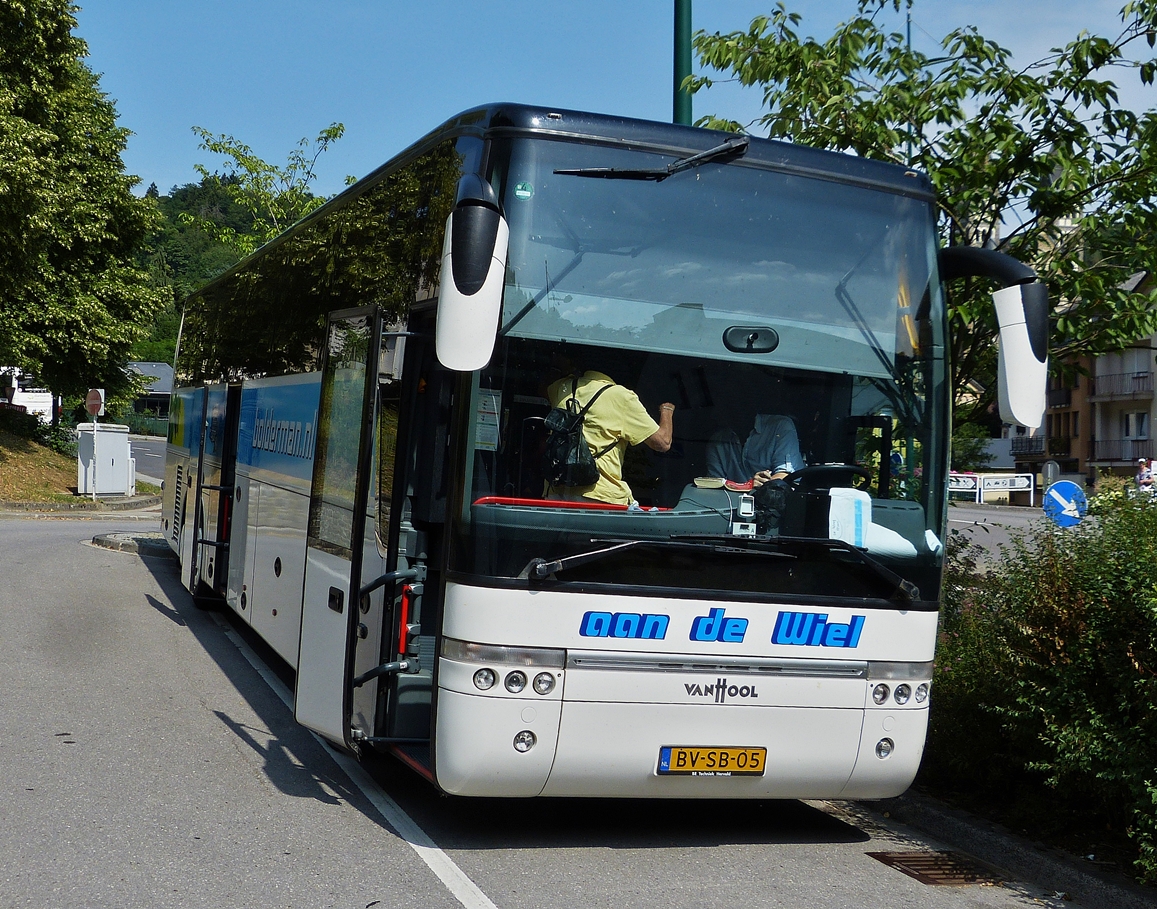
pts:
[336, 526]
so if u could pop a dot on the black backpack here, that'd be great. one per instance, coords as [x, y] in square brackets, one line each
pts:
[568, 459]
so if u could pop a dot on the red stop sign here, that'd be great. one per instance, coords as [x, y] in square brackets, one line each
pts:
[93, 402]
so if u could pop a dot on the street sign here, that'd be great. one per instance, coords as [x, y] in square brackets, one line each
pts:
[1065, 503]
[975, 485]
[94, 402]
[1016, 481]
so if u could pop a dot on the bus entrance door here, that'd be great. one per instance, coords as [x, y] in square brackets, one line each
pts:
[336, 532]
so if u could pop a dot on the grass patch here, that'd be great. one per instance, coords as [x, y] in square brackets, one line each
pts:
[31, 472]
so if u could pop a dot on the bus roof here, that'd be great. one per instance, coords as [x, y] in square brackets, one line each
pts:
[500, 120]
[494, 120]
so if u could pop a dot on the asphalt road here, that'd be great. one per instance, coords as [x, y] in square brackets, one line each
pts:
[148, 758]
[150, 457]
[993, 526]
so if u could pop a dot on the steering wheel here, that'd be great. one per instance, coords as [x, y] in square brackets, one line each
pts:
[817, 476]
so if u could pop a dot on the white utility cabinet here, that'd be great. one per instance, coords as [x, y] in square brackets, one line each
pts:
[104, 462]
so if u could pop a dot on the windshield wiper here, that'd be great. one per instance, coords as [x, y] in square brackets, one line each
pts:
[733, 148]
[905, 591]
[538, 569]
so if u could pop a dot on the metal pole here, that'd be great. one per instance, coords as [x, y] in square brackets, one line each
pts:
[681, 98]
[909, 20]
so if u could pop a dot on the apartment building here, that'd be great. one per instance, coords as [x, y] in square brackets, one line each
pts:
[1068, 430]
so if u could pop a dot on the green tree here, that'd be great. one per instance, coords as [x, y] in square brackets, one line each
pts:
[970, 447]
[274, 197]
[181, 257]
[72, 298]
[1039, 161]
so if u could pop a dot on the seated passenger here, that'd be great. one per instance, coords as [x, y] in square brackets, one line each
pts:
[771, 451]
[617, 419]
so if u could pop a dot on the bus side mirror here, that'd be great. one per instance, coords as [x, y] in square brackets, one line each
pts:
[1022, 366]
[472, 277]
[1022, 312]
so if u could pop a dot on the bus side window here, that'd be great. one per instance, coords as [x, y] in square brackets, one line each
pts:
[431, 428]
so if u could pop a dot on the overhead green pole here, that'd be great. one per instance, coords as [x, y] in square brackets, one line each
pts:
[681, 107]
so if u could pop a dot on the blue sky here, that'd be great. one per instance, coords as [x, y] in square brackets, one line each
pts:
[272, 71]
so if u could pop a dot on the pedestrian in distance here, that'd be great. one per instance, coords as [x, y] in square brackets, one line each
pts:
[1144, 476]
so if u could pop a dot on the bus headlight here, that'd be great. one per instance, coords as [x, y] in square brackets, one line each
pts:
[524, 741]
[515, 681]
[884, 747]
[880, 693]
[544, 683]
[484, 679]
[903, 692]
[921, 692]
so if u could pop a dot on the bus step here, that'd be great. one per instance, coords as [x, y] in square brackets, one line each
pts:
[394, 740]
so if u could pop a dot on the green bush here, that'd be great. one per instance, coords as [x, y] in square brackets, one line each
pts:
[1046, 678]
[145, 424]
[61, 439]
[19, 423]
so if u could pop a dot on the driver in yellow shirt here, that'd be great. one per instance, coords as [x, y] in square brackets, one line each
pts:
[617, 419]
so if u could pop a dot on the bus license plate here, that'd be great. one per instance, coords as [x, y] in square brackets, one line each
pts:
[690, 760]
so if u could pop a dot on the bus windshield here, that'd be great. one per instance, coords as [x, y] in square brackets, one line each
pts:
[787, 318]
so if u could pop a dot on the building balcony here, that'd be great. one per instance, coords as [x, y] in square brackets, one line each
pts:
[1121, 386]
[1060, 397]
[1060, 447]
[1123, 450]
[1027, 445]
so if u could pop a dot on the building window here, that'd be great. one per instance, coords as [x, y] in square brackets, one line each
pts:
[1136, 425]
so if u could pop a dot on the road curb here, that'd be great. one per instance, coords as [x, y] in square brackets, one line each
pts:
[994, 845]
[147, 544]
[130, 504]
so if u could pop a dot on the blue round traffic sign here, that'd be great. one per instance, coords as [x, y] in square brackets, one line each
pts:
[1065, 503]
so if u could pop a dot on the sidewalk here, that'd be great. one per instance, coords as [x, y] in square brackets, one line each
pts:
[1070, 877]
[130, 507]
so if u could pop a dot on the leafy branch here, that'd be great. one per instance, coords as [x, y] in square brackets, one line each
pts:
[275, 197]
[1045, 148]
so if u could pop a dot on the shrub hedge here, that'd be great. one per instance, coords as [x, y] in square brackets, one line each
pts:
[1045, 695]
[61, 438]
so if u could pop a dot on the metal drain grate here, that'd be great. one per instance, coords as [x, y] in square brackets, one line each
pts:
[942, 869]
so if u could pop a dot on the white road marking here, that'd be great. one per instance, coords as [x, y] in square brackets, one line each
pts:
[460, 886]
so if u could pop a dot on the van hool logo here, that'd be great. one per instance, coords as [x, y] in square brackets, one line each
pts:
[810, 629]
[720, 691]
[284, 436]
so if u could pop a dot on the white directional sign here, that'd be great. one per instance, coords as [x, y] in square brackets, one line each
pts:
[975, 485]
[1008, 481]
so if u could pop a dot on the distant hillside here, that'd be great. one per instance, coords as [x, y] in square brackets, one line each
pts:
[183, 257]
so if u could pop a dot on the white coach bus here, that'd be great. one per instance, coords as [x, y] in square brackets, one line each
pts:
[355, 461]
